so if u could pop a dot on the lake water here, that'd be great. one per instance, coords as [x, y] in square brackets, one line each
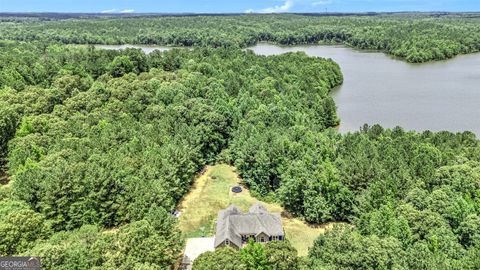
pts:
[378, 89]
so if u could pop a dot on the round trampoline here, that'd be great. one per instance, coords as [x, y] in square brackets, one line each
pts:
[236, 189]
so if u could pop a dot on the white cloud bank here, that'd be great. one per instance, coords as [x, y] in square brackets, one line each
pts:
[109, 11]
[114, 10]
[287, 5]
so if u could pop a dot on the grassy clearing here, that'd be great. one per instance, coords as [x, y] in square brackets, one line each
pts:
[211, 192]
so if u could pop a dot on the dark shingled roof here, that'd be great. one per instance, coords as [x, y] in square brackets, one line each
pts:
[232, 223]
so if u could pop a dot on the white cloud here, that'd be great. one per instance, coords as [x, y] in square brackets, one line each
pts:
[287, 5]
[321, 3]
[109, 11]
[114, 10]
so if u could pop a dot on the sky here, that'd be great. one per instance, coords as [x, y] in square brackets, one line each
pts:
[235, 6]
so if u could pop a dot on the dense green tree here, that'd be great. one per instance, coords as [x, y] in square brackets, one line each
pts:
[20, 227]
[254, 256]
[472, 260]
[222, 258]
[281, 255]
[152, 243]
[78, 249]
[344, 248]
[469, 230]
[273, 255]
[121, 65]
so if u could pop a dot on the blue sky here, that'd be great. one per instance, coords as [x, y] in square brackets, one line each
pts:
[217, 6]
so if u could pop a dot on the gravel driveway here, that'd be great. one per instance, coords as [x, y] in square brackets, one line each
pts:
[195, 247]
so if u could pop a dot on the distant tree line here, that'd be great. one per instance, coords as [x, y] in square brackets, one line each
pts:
[413, 37]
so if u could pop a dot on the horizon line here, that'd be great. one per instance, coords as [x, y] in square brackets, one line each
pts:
[229, 13]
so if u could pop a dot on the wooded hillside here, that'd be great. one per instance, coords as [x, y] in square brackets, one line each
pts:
[97, 147]
[413, 37]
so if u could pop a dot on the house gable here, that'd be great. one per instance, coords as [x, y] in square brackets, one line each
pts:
[228, 243]
[262, 237]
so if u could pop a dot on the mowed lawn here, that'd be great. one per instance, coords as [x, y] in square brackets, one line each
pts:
[211, 192]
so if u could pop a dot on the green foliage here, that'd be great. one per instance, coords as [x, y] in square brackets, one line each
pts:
[5, 192]
[112, 150]
[97, 139]
[223, 258]
[414, 37]
[277, 255]
[10, 206]
[472, 260]
[281, 255]
[385, 222]
[315, 192]
[152, 243]
[344, 248]
[415, 194]
[101, 140]
[469, 230]
[254, 256]
[20, 227]
[77, 249]
[120, 66]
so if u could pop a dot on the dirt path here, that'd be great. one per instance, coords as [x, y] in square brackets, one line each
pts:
[195, 191]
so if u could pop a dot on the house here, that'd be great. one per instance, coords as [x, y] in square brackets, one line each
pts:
[234, 228]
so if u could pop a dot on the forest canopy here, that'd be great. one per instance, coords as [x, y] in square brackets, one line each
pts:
[413, 37]
[95, 140]
[97, 147]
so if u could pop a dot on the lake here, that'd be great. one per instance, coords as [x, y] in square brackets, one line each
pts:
[379, 89]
